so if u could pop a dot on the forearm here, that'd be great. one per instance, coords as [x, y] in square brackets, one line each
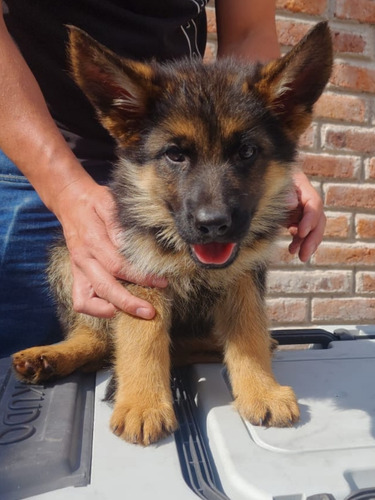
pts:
[246, 29]
[29, 136]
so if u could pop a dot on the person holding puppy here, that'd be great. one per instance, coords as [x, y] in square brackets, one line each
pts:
[56, 158]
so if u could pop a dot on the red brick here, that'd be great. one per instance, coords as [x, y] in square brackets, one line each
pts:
[356, 78]
[365, 226]
[287, 311]
[344, 254]
[338, 167]
[365, 282]
[338, 225]
[306, 282]
[308, 138]
[341, 107]
[317, 7]
[370, 169]
[349, 43]
[350, 196]
[281, 255]
[359, 10]
[291, 32]
[358, 139]
[347, 310]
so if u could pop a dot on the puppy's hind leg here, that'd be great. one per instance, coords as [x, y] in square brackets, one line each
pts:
[83, 348]
[187, 351]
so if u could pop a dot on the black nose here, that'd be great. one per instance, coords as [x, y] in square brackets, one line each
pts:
[212, 222]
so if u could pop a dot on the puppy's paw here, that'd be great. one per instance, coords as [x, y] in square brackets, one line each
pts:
[34, 365]
[143, 424]
[272, 407]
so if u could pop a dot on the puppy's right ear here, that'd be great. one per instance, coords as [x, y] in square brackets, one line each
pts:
[119, 89]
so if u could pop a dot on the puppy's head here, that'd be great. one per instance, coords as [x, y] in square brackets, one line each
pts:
[205, 150]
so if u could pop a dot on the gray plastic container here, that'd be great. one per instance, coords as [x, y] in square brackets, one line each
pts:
[63, 447]
[45, 434]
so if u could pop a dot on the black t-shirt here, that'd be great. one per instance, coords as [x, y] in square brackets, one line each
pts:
[138, 29]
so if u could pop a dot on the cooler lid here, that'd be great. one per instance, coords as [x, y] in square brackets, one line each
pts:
[330, 451]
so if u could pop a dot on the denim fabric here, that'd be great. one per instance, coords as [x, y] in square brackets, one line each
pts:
[27, 228]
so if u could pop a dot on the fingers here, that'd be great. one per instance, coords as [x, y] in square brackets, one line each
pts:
[306, 246]
[307, 232]
[85, 299]
[89, 292]
[311, 242]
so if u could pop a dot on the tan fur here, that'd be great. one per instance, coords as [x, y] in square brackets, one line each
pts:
[258, 397]
[209, 112]
[84, 349]
[143, 407]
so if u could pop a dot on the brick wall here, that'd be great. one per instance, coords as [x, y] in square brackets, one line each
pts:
[338, 154]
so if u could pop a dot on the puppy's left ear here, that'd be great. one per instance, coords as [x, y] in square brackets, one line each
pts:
[293, 83]
[120, 90]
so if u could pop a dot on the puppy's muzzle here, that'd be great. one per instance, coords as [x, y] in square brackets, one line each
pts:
[212, 223]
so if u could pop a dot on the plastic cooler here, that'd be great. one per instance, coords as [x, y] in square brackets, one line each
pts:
[55, 440]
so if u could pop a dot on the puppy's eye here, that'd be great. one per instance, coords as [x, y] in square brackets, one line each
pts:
[175, 154]
[247, 152]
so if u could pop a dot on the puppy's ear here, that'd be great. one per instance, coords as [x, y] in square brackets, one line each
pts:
[293, 83]
[119, 89]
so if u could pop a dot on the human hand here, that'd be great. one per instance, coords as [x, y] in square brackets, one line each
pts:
[307, 220]
[90, 233]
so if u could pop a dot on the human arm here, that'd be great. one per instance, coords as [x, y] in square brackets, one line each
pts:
[247, 29]
[30, 138]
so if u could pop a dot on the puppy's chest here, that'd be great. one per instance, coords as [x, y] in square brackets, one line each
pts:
[195, 317]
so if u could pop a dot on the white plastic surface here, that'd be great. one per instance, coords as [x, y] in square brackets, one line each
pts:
[124, 471]
[331, 450]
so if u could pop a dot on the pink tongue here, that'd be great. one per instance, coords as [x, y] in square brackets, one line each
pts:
[214, 253]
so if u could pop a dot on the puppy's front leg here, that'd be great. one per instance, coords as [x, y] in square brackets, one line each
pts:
[143, 411]
[258, 396]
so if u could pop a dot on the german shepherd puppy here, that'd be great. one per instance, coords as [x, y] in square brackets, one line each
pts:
[205, 160]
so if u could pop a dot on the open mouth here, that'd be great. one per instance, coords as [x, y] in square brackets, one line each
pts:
[214, 254]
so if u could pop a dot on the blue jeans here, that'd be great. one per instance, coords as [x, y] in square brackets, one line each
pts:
[27, 229]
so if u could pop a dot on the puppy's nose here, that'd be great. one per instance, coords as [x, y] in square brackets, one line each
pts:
[212, 222]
